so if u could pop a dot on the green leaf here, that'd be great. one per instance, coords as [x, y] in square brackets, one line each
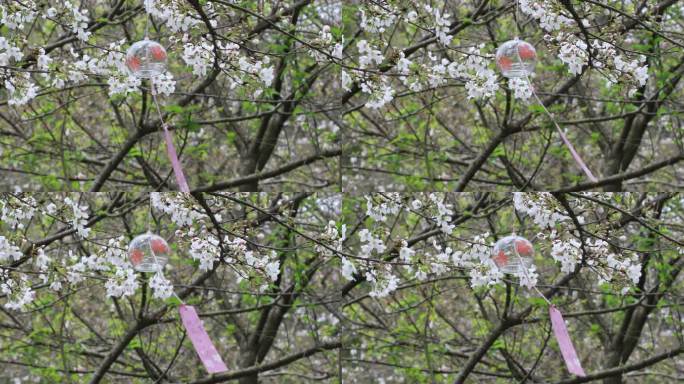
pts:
[173, 301]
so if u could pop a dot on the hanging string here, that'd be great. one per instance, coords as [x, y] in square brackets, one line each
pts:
[517, 16]
[564, 138]
[523, 267]
[147, 26]
[560, 330]
[170, 148]
[566, 141]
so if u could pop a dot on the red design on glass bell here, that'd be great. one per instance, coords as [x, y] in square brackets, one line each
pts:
[513, 254]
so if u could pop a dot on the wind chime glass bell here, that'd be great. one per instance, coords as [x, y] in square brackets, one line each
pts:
[148, 253]
[516, 58]
[146, 59]
[513, 254]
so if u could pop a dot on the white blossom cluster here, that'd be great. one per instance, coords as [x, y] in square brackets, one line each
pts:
[161, 286]
[163, 84]
[378, 88]
[120, 81]
[574, 54]
[123, 282]
[172, 14]
[326, 43]
[15, 211]
[200, 56]
[444, 214]
[348, 269]
[9, 251]
[567, 253]
[268, 263]
[123, 84]
[382, 283]
[43, 62]
[376, 18]
[543, 12]
[75, 272]
[389, 206]
[334, 237]
[177, 207]
[406, 255]
[336, 240]
[574, 51]
[438, 263]
[8, 51]
[79, 20]
[633, 67]
[600, 257]
[206, 250]
[110, 65]
[21, 89]
[258, 264]
[80, 216]
[370, 245]
[601, 251]
[473, 68]
[540, 208]
[258, 69]
[528, 277]
[380, 93]
[242, 68]
[43, 263]
[19, 294]
[522, 88]
[475, 258]
[441, 24]
[14, 16]
[475, 255]
[111, 260]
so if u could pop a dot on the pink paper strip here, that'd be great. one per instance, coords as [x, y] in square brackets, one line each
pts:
[173, 156]
[576, 156]
[563, 338]
[200, 340]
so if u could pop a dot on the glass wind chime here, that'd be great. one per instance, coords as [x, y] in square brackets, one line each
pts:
[146, 59]
[150, 253]
[512, 254]
[516, 59]
[515, 255]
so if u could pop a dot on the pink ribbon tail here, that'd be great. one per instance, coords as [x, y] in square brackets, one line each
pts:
[576, 156]
[563, 338]
[200, 340]
[173, 156]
